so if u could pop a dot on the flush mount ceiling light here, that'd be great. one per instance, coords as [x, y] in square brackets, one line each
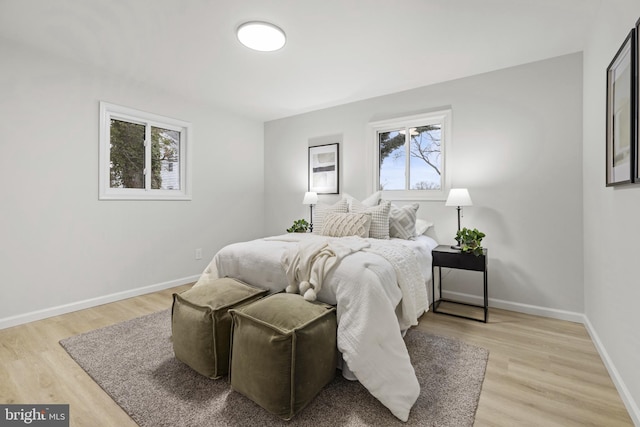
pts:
[261, 36]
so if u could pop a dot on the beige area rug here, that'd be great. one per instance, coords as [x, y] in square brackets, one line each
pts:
[134, 363]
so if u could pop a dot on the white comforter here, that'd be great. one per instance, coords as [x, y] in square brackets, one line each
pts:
[371, 312]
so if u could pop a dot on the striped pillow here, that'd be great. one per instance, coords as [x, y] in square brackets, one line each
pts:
[402, 221]
[379, 217]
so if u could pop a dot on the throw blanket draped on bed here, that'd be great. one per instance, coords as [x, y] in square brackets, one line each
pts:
[377, 287]
[308, 263]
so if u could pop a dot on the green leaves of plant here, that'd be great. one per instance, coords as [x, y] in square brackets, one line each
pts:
[469, 240]
[299, 225]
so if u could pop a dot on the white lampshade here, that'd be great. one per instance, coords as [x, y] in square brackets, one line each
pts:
[261, 36]
[459, 197]
[310, 198]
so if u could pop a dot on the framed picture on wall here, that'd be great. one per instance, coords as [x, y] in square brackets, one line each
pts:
[636, 169]
[621, 115]
[323, 169]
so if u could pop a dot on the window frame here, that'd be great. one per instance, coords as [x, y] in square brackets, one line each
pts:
[442, 117]
[110, 111]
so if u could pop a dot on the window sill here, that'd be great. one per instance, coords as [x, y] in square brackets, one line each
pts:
[415, 195]
[144, 195]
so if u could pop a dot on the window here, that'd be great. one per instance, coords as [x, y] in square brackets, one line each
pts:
[143, 155]
[409, 156]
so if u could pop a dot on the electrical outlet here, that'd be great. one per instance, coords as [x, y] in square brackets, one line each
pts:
[199, 253]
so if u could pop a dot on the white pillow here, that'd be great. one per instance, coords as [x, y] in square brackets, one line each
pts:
[322, 209]
[371, 201]
[379, 218]
[402, 221]
[422, 226]
[346, 224]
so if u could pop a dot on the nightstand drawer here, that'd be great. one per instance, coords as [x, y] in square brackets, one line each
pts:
[454, 259]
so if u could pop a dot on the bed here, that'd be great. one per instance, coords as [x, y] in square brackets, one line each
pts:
[379, 288]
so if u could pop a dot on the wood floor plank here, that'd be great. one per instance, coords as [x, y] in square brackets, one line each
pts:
[541, 372]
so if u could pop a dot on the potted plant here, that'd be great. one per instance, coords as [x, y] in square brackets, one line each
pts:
[299, 226]
[469, 241]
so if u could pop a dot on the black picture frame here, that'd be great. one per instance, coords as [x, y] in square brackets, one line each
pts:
[636, 168]
[621, 125]
[324, 168]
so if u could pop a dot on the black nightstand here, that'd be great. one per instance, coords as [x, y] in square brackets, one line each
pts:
[445, 256]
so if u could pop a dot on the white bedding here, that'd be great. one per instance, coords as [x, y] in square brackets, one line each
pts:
[364, 287]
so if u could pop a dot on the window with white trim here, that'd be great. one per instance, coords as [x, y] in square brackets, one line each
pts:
[143, 155]
[409, 156]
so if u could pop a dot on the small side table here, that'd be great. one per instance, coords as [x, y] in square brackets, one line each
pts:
[445, 256]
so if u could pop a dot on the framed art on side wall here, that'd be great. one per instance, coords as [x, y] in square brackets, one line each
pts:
[621, 114]
[323, 169]
[636, 169]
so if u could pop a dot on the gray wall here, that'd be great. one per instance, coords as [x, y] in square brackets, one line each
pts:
[611, 231]
[517, 146]
[60, 244]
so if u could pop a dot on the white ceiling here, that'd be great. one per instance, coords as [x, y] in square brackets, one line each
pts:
[337, 51]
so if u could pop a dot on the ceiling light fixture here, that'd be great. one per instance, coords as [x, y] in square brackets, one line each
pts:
[261, 36]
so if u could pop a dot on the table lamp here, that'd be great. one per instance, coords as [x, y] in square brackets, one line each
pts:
[458, 197]
[310, 198]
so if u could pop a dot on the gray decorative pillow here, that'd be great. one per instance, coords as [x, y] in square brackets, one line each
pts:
[402, 221]
[346, 224]
[342, 206]
[379, 218]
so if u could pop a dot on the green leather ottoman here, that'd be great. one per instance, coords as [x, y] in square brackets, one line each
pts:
[201, 323]
[283, 352]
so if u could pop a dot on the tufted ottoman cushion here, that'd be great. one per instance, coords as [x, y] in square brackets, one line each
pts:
[283, 352]
[201, 323]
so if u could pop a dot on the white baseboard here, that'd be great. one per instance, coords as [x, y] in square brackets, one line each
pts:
[625, 395]
[516, 306]
[20, 319]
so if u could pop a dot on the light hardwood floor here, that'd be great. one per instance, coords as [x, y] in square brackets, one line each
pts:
[541, 372]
